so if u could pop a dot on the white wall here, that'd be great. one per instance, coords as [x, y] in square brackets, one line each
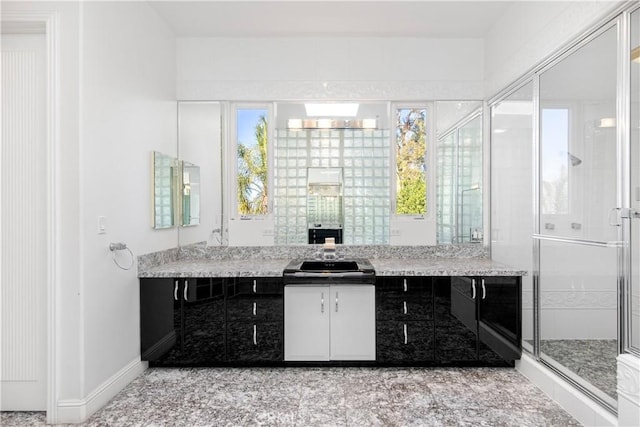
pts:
[128, 109]
[530, 31]
[352, 68]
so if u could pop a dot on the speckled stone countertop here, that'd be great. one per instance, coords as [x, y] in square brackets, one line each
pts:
[442, 267]
[218, 268]
[200, 261]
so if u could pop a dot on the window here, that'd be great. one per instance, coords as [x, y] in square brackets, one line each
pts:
[252, 168]
[555, 161]
[410, 150]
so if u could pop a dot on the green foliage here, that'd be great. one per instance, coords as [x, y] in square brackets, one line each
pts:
[410, 161]
[252, 173]
[412, 196]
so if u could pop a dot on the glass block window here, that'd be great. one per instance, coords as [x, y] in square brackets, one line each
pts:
[446, 188]
[363, 155]
[164, 186]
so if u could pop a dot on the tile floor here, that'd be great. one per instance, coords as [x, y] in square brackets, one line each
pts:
[593, 360]
[324, 397]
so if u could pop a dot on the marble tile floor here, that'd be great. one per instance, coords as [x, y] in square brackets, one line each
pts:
[324, 397]
[593, 360]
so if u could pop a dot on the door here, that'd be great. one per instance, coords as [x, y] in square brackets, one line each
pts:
[23, 232]
[353, 322]
[306, 323]
[577, 237]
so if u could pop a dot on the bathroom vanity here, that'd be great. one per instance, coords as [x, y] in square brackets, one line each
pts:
[426, 312]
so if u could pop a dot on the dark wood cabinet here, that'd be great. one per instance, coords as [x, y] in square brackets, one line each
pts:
[478, 320]
[404, 320]
[255, 313]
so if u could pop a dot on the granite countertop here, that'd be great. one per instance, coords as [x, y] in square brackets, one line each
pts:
[383, 267]
[218, 268]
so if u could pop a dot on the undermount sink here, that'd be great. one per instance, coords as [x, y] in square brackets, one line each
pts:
[329, 265]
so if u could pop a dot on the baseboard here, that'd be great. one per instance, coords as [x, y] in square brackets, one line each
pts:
[580, 406]
[76, 411]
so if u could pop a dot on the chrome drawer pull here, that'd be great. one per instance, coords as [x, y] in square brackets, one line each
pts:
[484, 290]
[405, 307]
[405, 285]
[322, 302]
[405, 333]
[336, 302]
[175, 292]
[255, 335]
[254, 308]
[473, 288]
[186, 288]
[255, 286]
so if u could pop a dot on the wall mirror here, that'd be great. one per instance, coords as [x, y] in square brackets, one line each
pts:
[165, 183]
[190, 194]
[365, 157]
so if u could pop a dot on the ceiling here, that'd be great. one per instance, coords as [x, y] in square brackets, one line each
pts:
[335, 18]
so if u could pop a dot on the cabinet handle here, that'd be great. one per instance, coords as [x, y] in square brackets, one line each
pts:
[175, 292]
[484, 289]
[473, 288]
[322, 302]
[254, 308]
[405, 307]
[186, 288]
[405, 285]
[255, 335]
[255, 286]
[405, 333]
[336, 302]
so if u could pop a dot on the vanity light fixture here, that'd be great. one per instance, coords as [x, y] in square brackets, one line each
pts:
[324, 123]
[298, 124]
[335, 109]
[294, 124]
[370, 123]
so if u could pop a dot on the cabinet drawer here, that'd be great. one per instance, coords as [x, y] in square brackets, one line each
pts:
[405, 299]
[259, 308]
[254, 341]
[247, 286]
[404, 342]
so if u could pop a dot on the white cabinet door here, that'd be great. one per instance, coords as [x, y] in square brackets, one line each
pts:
[353, 322]
[306, 323]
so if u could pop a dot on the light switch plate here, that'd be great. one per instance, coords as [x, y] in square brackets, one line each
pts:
[102, 225]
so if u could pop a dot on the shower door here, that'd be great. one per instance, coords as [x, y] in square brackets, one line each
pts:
[632, 329]
[577, 236]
